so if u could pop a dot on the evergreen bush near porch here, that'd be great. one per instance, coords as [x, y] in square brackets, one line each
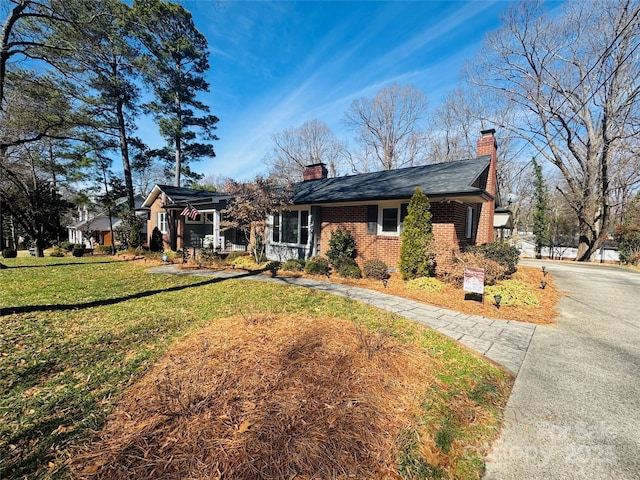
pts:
[342, 248]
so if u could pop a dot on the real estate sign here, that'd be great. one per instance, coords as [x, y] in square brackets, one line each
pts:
[474, 280]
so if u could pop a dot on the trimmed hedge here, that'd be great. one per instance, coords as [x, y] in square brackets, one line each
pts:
[376, 269]
[296, 265]
[317, 266]
[500, 252]
[349, 269]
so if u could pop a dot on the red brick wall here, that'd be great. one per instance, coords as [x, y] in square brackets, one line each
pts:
[369, 246]
[448, 229]
[153, 222]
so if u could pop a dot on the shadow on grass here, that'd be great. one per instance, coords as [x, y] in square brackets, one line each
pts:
[113, 301]
[70, 264]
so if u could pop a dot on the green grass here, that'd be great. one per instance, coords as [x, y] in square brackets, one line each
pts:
[88, 328]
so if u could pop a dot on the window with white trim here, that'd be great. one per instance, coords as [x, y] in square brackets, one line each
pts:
[291, 227]
[391, 218]
[163, 222]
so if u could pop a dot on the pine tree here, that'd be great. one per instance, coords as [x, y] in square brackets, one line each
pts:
[174, 66]
[415, 258]
[540, 210]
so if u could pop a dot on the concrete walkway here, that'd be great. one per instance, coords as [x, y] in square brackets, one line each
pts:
[503, 341]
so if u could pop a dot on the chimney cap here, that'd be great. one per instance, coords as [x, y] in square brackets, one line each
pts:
[316, 164]
[490, 131]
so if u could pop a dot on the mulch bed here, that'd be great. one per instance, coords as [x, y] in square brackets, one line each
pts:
[456, 299]
[453, 298]
[265, 397]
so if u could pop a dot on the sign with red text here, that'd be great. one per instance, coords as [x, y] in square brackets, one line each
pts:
[474, 280]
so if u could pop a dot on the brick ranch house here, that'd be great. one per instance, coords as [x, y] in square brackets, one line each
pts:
[372, 206]
[164, 206]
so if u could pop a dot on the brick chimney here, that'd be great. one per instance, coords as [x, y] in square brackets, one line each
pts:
[316, 171]
[487, 145]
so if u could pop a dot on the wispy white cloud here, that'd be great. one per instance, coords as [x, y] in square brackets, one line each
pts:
[277, 64]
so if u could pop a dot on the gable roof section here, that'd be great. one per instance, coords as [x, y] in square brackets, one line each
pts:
[178, 197]
[453, 180]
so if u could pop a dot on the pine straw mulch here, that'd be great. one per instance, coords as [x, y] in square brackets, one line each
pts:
[453, 298]
[265, 397]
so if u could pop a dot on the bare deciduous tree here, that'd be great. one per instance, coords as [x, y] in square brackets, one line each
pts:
[389, 126]
[249, 207]
[574, 80]
[296, 147]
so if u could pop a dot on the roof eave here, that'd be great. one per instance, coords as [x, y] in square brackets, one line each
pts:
[479, 196]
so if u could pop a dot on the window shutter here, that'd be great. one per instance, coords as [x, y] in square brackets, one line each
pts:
[404, 211]
[372, 219]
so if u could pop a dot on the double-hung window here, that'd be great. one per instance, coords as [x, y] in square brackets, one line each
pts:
[163, 222]
[391, 219]
[291, 227]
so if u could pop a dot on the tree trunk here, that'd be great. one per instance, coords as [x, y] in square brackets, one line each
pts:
[178, 141]
[124, 151]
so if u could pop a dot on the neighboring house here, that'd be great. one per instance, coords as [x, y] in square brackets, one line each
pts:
[372, 206]
[93, 228]
[190, 217]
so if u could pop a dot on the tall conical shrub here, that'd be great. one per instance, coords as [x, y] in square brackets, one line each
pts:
[417, 233]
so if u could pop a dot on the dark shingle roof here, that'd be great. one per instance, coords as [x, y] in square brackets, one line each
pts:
[183, 194]
[437, 180]
[179, 197]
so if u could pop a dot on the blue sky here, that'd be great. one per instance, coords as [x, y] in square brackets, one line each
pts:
[275, 65]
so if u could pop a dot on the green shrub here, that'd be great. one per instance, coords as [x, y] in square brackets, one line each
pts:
[349, 269]
[513, 293]
[156, 243]
[57, 252]
[273, 266]
[245, 262]
[501, 252]
[296, 265]
[68, 246]
[170, 255]
[102, 249]
[417, 233]
[317, 266]
[628, 237]
[233, 255]
[78, 250]
[376, 269]
[9, 253]
[210, 254]
[342, 247]
[425, 284]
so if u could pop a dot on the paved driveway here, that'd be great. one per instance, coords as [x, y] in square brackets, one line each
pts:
[575, 409]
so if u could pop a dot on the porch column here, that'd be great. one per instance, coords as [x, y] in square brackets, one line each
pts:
[315, 224]
[216, 230]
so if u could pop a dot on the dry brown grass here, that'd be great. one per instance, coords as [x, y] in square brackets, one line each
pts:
[265, 397]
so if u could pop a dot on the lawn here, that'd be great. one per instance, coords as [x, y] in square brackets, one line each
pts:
[79, 336]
